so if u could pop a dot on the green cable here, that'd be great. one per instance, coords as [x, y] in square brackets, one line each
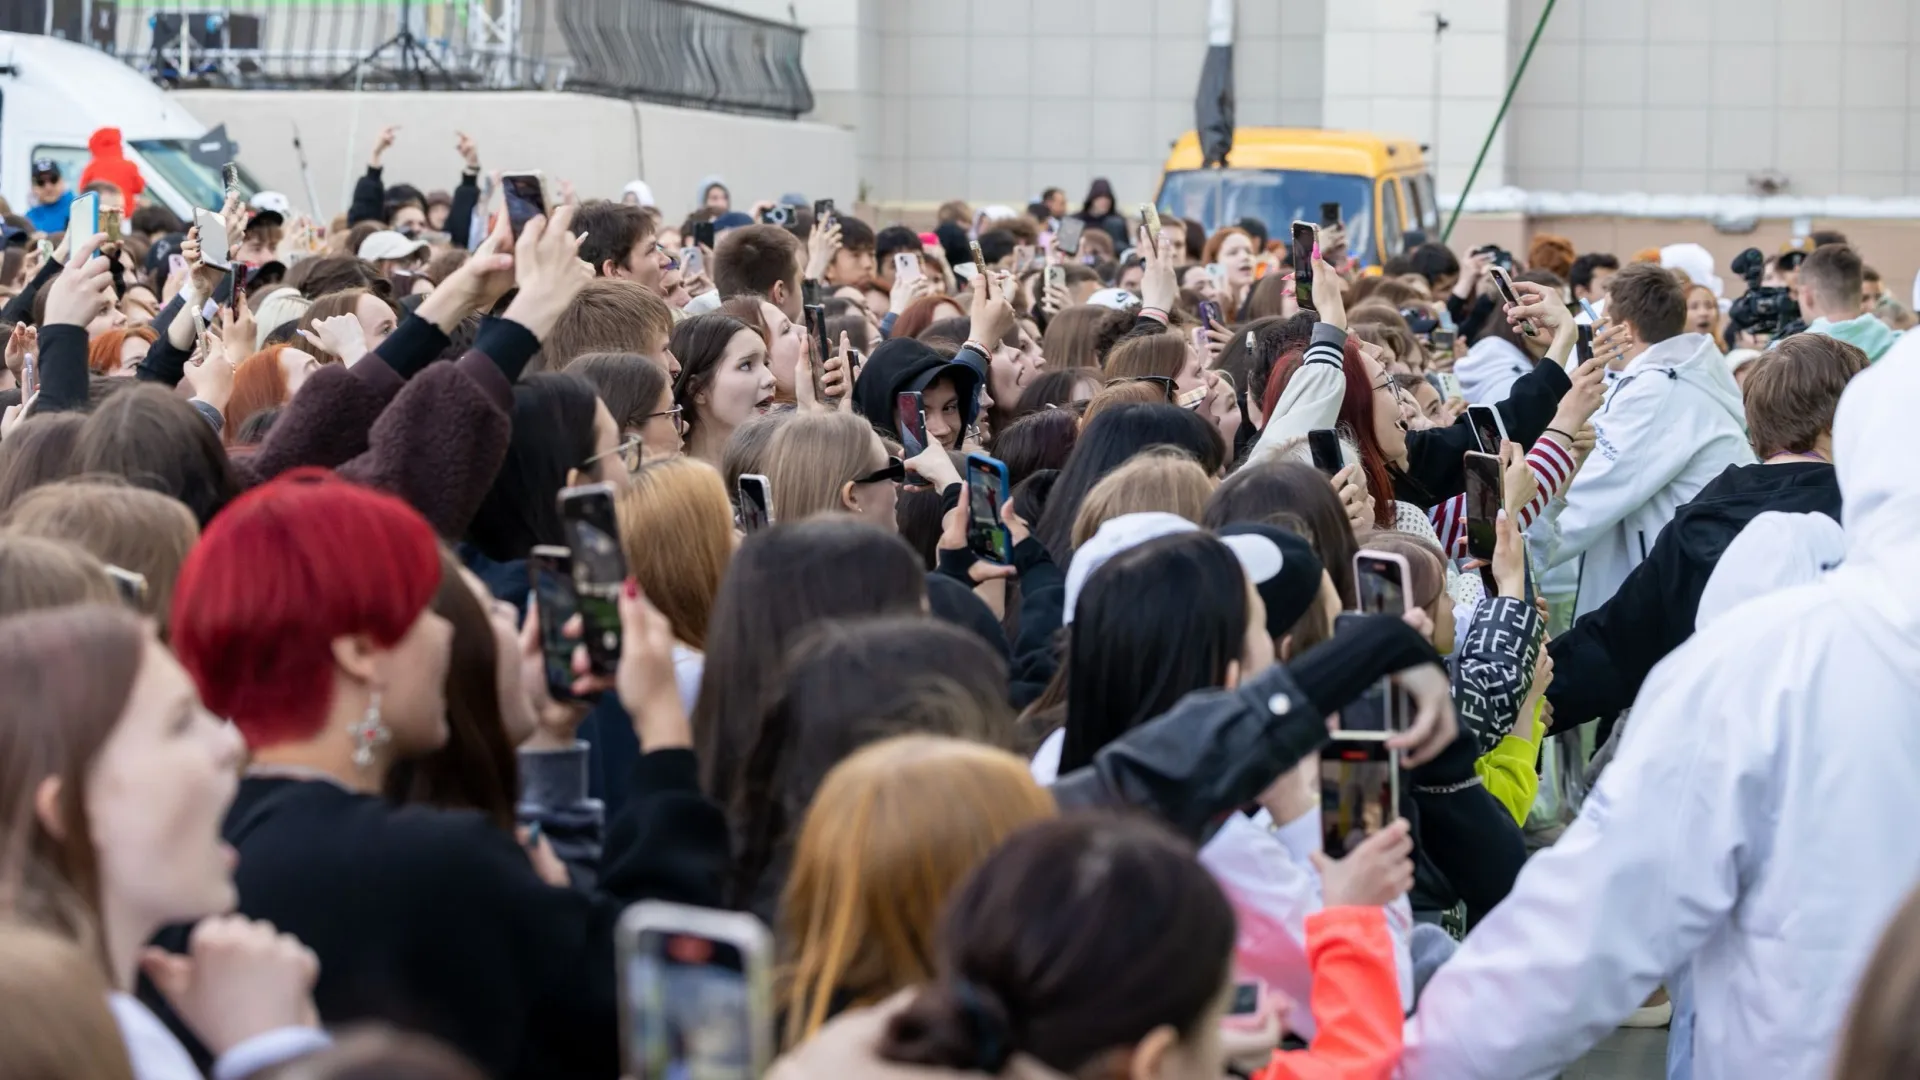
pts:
[1512, 88]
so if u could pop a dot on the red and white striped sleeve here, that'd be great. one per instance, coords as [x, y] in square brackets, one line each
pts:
[1553, 469]
[1450, 525]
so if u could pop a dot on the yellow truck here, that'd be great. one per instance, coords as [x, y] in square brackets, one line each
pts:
[1283, 175]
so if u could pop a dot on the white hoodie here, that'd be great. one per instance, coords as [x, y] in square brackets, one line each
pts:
[1673, 422]
[1758, 821]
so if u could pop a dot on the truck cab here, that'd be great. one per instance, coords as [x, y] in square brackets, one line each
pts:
[1283, 175]
[54, 94]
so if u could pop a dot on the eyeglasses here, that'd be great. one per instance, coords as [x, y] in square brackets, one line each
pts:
[629, 452]
[679, 424]
[895, 470]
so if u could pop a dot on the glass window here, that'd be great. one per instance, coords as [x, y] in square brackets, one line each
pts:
[1430, 207]
[194, 179]
[71, 160]
[1393, 226]
[1219, 197]
[1417, 202]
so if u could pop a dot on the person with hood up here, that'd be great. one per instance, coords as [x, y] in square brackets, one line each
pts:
[1831, 293]
[1755, 828]
[1792, 392]
[637, 193]
[713, 196]
[111, 165]
[948, 389]
[1101, 212]
[1672, 423]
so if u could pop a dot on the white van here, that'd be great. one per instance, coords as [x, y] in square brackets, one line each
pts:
[55, 93]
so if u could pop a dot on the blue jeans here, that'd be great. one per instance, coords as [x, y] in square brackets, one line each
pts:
[1680, 1032]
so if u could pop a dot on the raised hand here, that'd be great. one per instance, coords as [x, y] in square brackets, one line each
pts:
[239, 978]
[549, 271]
[468, 150]
[84, 290]
[341, 335]
[1377, 871]
[382, 142]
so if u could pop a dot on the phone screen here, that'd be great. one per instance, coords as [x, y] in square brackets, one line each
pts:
[1305, 238]
[986, 493]
[691, 1003]
[526, 198]
[599, 569]
[703, 234]
[1210, 315]
[1324, 445]
[1583, 347]
[822, 209]
[1357, 799]
[910, 420]
[554, 599]
[817, 330]
[1487, 428]
[213, 238]
[1068, 238]
[1382, 584]
[230, 177]
[756, 503]
[1483, 502]
[906, 266]
[1443, 339]
[1246, 998]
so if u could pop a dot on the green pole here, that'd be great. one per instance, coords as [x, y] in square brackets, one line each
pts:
[1505, 102]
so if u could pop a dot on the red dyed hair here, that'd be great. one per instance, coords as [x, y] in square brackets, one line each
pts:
[103, 352]
[281, 573]
[919, 315]
[1356, 419]
[258, 383]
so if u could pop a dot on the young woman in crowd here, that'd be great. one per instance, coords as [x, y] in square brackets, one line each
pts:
[639, 397]
[141, 532]
[37, 573]
[114, 779]
[1039, 441]
[303, 616]
[724, 380]
[1270, 491]
[1060, 388]
[785, 338]
[821, 462]
[1108, 440]
[676, 525]
[268, 379]
[892, 832]
[1233, 250]
[1156, 480]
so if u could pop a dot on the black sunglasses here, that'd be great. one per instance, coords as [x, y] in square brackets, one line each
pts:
[895, 470]
[1164, 383]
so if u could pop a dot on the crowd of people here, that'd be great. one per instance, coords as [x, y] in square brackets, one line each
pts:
[1048, 779]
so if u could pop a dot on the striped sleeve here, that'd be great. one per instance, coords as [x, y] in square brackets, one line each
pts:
[1553, 469]
[1329, 342]
[1450, 525]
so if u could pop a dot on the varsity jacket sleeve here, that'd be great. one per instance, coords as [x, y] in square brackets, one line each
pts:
[1552, 467]
[1494, 668]
[1312, 398]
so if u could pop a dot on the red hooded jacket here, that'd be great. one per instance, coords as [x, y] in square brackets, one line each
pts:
[110, 164]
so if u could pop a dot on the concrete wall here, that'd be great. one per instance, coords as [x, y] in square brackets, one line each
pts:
[1694, 96]
[598, 143]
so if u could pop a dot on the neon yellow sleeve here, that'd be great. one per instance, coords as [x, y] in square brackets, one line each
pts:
[1510, 770]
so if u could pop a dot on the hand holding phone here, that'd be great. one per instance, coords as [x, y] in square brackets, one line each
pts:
[1067, 240]
[1324, 445]
[987, 491]
[906, 266]
[1489, 430]
[1485, 500]
[599, 569]
[1306, 240]
[695, 988]
[910, 422]
[554, 605]
[525, 195]
[1505, 284]
[213, 240]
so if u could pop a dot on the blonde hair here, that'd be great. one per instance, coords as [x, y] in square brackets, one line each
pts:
[1163, 354]
[677, 527]
[1128, 392]
[893, 831]
[54, 1019]
[121, 525]
[812, 458]
[1158, 478]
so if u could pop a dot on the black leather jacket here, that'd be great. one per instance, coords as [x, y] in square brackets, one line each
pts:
[1217, 750]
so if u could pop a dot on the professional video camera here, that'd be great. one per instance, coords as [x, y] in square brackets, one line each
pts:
[1765, 310]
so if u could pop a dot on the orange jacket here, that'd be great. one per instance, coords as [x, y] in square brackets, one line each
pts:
[110, 164]
[1356, 1001]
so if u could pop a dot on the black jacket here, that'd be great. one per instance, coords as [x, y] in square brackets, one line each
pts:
[1598, 665]
[1217, 750]
[434, 921]
[1434, 473]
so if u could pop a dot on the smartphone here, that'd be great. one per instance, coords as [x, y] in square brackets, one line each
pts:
[1068, 238]
[1505, 284]
[29, 381]
[1488, 429]
[1324, 445]
[1380, 578]
[213, 238]
[1484, 494]
[1329, 214]
[703, 234]
[1151, 216]
[237, 289]
[691, 264]
[1362, 726]
[1305, 239]
[176, 264]
[696, 997]
[1210, 315]
[230, 177]
[817, 330]
[130, 584]
[979, 260]
[552, 570]
[1443, 339]
[756, 502]
[83, 220]
[599, 569]
[906, 266]
[110, 224]
[526, 197]
[1588, 308]
[1450, 387]
[1056, 277]
[987, 489]
[822, 210]
[1247, 1011]
[910, 421]
[1359, 796]
[1583, 344]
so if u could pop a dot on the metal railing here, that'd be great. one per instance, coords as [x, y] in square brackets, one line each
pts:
[685, 53]
[674, 51]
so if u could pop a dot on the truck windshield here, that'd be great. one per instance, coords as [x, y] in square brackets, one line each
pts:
[199, 184]
[1220, 197]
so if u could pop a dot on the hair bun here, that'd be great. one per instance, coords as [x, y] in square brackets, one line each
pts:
[952, 1024]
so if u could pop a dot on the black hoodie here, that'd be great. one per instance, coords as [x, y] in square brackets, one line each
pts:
[1598, 665]
[904, 364]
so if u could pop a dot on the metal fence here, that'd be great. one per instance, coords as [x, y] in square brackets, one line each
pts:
[674, 51]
